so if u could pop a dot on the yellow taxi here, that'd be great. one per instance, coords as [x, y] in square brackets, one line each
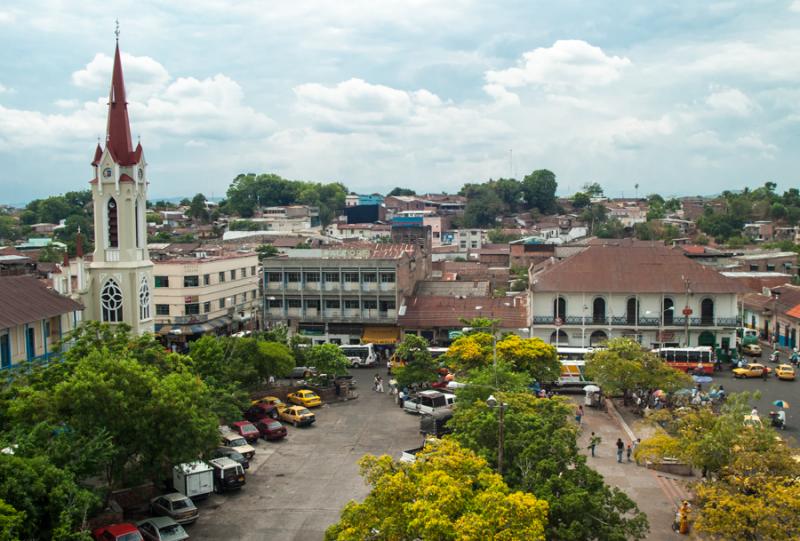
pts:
[785, 371]
[297, 415]
[271, 400]
[304, 397]
[751, 370]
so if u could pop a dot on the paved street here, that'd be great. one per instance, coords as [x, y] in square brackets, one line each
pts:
[772, 389]
[297, 487]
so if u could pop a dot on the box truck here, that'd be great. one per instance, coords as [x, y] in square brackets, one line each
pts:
[194, 479]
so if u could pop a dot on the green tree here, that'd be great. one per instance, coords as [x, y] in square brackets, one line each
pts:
[52, 504]
[266, 250]
[593, 189]
[539, 191]
[541, 458]
[8, 228]
[327, 359]
[581, 200]
[448, 493]
[185, 202]
[420, 367]
[197, 208]
[51, 254]
[397, 190]
[484, 206]
[610, 229]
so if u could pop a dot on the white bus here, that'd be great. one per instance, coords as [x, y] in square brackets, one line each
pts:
[573, 366]
[360, 355]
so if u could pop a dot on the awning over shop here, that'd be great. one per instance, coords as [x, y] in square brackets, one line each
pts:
[380, 335]
[220, 322]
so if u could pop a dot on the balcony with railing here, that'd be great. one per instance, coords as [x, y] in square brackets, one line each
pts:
[112, 255]
[625, 321]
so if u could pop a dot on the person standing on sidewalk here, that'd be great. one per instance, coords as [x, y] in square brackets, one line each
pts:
[594, 441]
[579, 414]
[620, 448]
[628, 451]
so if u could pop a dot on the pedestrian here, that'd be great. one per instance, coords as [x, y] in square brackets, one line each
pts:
[271, 380]
[594, 441]
[636, 443]
[629, 451]
[389, 367]
[579, 414]
[754, 411]
[380, 385]
[375, 381]
[620, 448]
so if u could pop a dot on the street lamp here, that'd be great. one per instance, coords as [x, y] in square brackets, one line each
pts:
[775, 296]
[493, 403]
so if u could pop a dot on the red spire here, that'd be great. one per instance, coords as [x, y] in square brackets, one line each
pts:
[118, 131]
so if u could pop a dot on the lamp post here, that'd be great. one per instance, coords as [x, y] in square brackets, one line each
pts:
[775, 296]
[493, 403]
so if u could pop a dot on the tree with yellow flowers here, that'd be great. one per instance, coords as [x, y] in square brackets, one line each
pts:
[448, 493]
[529, 355]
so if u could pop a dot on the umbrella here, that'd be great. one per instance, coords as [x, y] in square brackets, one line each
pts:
[702, 379]
[781, 404]
[659, 393]
[592, 389]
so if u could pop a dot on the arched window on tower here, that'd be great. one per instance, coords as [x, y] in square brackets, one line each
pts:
[144, 299]
[136, 214]
[111, 302]
[111, 214]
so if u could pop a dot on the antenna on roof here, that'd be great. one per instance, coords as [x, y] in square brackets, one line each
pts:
[116, 30]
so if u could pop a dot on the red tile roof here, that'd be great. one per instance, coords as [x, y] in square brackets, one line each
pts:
[794, 312]
[430, 311]
[632, 268]
[26, 300]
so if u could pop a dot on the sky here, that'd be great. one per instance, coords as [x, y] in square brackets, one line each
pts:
[680, 97]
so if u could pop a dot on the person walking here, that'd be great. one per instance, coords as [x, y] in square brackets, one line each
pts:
[380, 385]
[579, 414]
[628, 451]
[594, 441]
[375, 382]
[636, 443]
[620, 448]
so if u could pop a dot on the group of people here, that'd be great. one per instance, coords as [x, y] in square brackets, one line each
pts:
[377, 384]
[628, 450]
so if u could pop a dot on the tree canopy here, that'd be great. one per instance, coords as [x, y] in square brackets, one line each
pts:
[448, 493]
[419, 366]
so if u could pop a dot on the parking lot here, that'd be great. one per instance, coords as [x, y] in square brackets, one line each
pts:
[296, 487]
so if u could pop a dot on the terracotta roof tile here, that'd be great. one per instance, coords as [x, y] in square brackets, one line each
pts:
[430, 311]
[632, 268]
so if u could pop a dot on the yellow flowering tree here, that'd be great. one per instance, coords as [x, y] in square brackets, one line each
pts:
[531, 355]
[448, 493]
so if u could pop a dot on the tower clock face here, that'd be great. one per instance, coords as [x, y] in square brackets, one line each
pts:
[107, 172]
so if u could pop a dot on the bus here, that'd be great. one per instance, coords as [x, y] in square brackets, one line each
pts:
[573, 366]
[360, 355]
[689, 359]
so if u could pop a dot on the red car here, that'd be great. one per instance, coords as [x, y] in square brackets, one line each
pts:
[260, 411]
[117, 532]
[246, 430]
[271, 429]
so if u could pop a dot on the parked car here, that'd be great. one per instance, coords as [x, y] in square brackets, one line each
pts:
[754, 350]
[271, 429]
[246, 430]
[296, 415]
[269, 400]
[161, 529]
[751, 370]
[228, 475]
[239, 444]
[227, 452]
[785, 372]
[261, 410]
[303, 372]
[124, 531]
[428, 402]
[304, 397]
[175, 505]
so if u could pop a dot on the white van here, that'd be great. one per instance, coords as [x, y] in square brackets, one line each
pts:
[429, 402]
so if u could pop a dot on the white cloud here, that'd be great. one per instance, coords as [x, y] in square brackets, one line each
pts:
[7, 17]
[159, 109]
[4, 89]
[568, 63]
[710, 140]
[501, 95]
[730, 101]
[144, 76]
[795, 6]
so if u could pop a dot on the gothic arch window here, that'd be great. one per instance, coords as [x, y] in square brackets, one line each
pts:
[144, 300]
[136, 215]
[111, 218]
[111, 302]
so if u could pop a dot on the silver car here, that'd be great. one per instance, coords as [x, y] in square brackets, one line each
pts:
[161, 529]
[175, 505]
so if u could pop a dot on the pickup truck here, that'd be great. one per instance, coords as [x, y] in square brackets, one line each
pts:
[428, 402]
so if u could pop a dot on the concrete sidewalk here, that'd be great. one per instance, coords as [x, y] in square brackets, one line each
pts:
[657, 494]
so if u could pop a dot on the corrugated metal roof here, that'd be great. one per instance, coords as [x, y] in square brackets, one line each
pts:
[23, 299]
[447, 312]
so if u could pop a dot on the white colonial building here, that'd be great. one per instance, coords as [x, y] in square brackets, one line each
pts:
[644, 291]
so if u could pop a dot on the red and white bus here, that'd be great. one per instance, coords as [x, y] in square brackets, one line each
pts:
[689, 359]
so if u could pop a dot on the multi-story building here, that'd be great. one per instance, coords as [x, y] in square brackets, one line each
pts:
[647, 292]
[785, 262]
[287, 219]
[206, 294]
[345, 294]
[33, 318]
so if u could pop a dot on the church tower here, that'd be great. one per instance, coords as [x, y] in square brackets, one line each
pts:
[121, 273]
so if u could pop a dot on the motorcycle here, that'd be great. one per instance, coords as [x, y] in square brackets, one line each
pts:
[774, 357]
[776, 421]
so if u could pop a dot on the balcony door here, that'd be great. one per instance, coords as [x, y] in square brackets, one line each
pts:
[599, 310]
